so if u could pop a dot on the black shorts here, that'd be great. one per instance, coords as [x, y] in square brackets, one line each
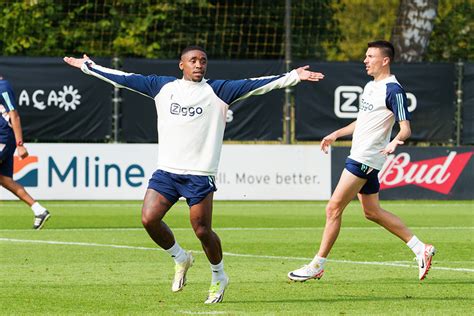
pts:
[7, 150]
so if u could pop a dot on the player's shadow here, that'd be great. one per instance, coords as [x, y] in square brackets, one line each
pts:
[351, 299]
[431, 282]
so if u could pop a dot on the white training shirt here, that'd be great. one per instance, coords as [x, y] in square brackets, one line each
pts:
[381, 103]
[191, 115]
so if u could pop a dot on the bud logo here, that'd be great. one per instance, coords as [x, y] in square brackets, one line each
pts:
[25, 171]
[66, 99]
[438, 174]
[347, 100]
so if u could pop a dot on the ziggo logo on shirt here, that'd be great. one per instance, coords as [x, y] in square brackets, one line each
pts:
[177, 109]
[365, 106]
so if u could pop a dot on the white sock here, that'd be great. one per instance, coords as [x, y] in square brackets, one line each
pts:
[217, 271]
[178, 253]
[318, 261]
[416, 246]
[37, 209]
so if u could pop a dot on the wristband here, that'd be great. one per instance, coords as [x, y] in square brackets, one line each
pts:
[19, 143]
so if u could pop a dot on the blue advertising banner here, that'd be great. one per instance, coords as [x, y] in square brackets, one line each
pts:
[467, 136]
[258, 117]
[334, 102]
[57, 102]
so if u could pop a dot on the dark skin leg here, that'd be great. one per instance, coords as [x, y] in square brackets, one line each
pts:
[155, 207]
[17, 189]
[201, 221]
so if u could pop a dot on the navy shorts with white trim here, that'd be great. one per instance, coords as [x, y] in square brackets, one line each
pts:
[173, 186]
[365, 172]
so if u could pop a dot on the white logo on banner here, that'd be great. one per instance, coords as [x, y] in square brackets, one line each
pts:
[347, 99]
[66, 99]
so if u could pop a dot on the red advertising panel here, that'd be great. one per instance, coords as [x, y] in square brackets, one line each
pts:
[441, 173]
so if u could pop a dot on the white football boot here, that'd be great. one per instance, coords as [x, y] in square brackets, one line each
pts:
[180, 273]
[306, 272]
[216, 291]
[424, 261]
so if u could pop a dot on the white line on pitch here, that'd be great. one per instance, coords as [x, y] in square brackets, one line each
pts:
[301, 204]
[70, 243]
[237, 228]
[204, 313]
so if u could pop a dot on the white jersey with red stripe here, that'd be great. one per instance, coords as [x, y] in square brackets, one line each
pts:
[381, 104]
[191, 115]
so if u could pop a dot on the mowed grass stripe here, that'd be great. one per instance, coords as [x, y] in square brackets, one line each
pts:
[241, 228]
[86, 244]
[278, 204]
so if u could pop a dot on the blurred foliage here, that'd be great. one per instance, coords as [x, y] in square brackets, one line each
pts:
[365, 21]
[29, 27]
[161, 29]
[333, 30]
[361, 21]
[453, 33]
[55, 28]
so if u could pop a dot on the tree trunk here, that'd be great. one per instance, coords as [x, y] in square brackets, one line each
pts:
[411, 34]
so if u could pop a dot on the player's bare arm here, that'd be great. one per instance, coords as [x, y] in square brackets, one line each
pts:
[331, 138]
[405, 132]
[309, 75]
[327, 141]
[16, 126]
[76, 62]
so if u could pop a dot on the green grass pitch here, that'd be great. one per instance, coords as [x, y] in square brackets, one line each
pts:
[95, 258]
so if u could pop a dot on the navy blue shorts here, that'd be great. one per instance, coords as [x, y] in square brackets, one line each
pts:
[365, 172]
[173, 186]
[6, 158]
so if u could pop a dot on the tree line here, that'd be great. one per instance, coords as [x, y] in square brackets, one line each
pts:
[324, 30]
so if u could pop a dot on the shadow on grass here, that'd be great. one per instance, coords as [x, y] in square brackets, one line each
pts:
[353, 299]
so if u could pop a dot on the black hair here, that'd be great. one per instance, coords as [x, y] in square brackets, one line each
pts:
[387, 48]
[192, 47]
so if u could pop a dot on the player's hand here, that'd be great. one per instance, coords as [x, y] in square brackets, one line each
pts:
[22, 152]
[76, 62]
[327, 141]
[390, 148]
[306, 74]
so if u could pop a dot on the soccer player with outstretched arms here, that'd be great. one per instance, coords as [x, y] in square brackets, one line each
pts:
[192, 114]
